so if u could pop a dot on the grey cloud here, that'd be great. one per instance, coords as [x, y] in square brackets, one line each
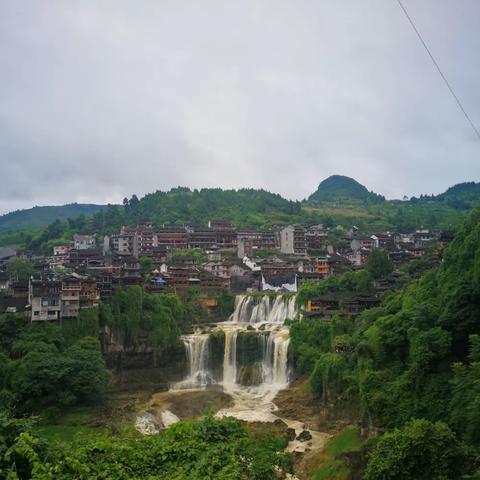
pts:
[99, 100]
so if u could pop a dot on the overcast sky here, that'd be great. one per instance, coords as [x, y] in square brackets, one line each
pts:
[103, 99]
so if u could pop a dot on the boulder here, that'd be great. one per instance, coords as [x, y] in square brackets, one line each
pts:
[291, 434]
[304, 436]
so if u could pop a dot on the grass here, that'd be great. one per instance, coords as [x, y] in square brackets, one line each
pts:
[84, 423]
[328, 463]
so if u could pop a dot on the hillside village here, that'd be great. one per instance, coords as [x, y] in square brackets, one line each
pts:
[207, 258]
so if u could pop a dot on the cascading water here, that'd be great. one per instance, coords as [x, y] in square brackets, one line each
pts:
[254, 310]
[196, 347]
[230, 358]
[263, 318]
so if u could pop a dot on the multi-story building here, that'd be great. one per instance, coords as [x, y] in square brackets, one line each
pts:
[60, 255]
[144, 238]
[248, 241]
[53, 298]
[70, 297]
[173, 237]
[324, 267]
[367, 243]
[83, 242]
[315, 237]
[123, 244]
[292, 240]
[44, 297]
[203, 238]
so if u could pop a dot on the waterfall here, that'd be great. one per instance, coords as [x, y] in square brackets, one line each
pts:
[256, 310]
[262, 353]
[230, 358]
[280, 359]
[196, 347]
[275, 359]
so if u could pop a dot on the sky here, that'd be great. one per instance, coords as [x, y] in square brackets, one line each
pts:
[103, 99]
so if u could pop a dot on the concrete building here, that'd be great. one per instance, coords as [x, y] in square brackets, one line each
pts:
[44, 297]
[292, 240]
[83, 242]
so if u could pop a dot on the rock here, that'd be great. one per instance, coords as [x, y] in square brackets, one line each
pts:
[250, 327]
[304, 436]
[291, 434]
[147, 424]
[168, 418]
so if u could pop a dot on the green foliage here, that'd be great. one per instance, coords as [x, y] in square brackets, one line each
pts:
[46, 374]
[338, 187]
[379, 264]
[420, 450]
[146, 266]
[226, 304]
[416, 356]
[328, 377]
[348, 204]
[20, 269]
[204, 450]
[40, 366]
[348, 282]
[333, 465]
[42, 216]
[133, 314]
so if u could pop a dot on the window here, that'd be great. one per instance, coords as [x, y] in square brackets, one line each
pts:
[36, 313]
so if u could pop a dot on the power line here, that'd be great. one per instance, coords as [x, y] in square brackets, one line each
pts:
[439, 70]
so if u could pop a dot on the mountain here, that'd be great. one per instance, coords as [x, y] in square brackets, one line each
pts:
[464, 191]
[42, 216]
[339, 187]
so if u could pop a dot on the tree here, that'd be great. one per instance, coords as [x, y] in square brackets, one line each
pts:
[146, 266]
[20, 269]
[87, 373]
[226, 303]
[379, 264]
[422, 450]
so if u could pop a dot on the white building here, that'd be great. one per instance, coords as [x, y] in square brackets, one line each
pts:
[83, 242]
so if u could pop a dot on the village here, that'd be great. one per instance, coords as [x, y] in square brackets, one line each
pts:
[210, 259]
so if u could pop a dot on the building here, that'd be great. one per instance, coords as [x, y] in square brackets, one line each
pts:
[203, 238]
[173, 237]
[324, 267]
[367, 243]
[316, 237]
[123, 244]
[219, 269]
[83, 242]
[44, 297]
[245, 247]
[143, 239]
[384, 240]
[71, 287]
[292, 240]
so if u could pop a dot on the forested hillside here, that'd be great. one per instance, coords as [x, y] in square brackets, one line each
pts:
[339, 200]
[417, 356]
[339, 187]
[42, 216]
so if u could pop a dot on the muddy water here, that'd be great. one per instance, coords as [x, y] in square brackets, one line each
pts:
[256, 404]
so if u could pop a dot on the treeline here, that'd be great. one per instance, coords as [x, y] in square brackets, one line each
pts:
[410, 366]
[202, 450]
[42, 366]
[247, 208]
